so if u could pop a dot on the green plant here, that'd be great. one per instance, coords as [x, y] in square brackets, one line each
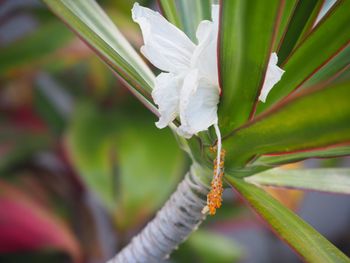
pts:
[307, 114]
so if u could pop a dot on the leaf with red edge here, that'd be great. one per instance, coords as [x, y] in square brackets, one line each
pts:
[278, 159]
[286, 16]
[330, 72]
[304, 239]
[301, 22]
[88, 20]
[330, 36]
[331, 180]
[242, 61]
[313, 119]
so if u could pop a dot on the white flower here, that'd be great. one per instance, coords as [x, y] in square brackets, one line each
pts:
[188, 88]
[273, 75]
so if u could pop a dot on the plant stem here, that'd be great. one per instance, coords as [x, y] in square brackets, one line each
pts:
[177, 219]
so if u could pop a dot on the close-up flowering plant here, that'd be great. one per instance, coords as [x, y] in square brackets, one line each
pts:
[190, 88]
[248, 88]
[250, 70]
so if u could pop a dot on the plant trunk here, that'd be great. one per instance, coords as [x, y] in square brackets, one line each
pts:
[177, 219]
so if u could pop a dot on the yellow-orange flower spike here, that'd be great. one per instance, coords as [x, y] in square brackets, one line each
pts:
[214, 197]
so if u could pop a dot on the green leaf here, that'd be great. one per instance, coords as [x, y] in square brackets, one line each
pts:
[214, 248]
[169, 10]
[301, 22]
[313, 17]
[328, 180]
[313, 52]
[89, 21]
[243, 62]
[307, 242]
[318, 118]
[286, 16]
[271, 160]
[150, 165]
[89, 147]
[330, 71]
[343, 76]
[113, 157]
[266, 162]
[191, 13]
[34, 48]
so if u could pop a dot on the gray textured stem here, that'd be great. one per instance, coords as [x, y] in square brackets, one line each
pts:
[178, 218]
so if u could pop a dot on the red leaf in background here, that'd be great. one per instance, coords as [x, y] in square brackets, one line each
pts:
[26, 118]
[26, 226]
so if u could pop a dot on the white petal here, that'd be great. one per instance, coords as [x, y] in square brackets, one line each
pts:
[198, 105]
[205, 54]
[205, 25]
[273, 75]
[165, 46]
[166, 94]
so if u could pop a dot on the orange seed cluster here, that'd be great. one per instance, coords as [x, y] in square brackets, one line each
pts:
[214, 197]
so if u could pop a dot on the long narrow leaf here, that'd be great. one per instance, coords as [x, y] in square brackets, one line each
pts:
[335, 180]
[89, 21]
[311, 120]
[191, 13]
[302, 20]
[243, 62]
[170, 12]
[286, 17]
[331, 70]
[343, 76]
[312, 19]
[328, 38]
[306, 241]
[271, 160]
